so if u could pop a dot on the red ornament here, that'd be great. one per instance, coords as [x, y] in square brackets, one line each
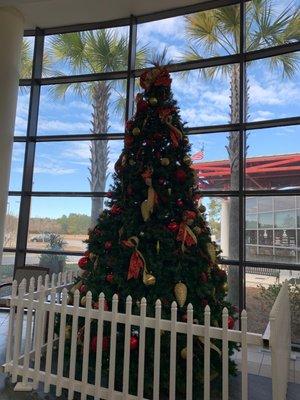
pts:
[204, 303]
[179, 202]
[115, 210]
[83, 289]
[128, 140]
[173, 226]
[134, 343]
[142, 106]
[231, 322]
[222, 274]
[203, 277]
[184, 318]
[105, 343]
[129, 125]
[109, 277]
[82, 262]
[180, 175]
[108, 245]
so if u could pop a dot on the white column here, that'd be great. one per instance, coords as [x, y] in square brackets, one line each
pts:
[11, 34]
[225, 227]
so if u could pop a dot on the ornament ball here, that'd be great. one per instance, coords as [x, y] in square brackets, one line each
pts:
[134, 343]
[109, 277]
[153, 101]
[165, 161]
[136, 131]
[108, 245]
[82, 262]
[231, 322]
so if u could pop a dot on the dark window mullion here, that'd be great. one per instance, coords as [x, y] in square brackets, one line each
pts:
[131, 67]
[24, 215]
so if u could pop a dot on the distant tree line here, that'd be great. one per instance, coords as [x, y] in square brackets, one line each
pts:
[73, 224]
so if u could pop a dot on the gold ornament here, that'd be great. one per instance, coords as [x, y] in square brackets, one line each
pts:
[169, 191]
[76, 286]
[157, 247]
[68, 332]
[153, 101]
[131, 162]
[183, 353]
[211, 249]
[92, 256]
[83, 301]
[187, 160]
[202, 208]
[123, 160]
[148, 279]
[180, 291]
[165, 161]
[189, 222]
[197, 230]
[136, 131]
[225, 287]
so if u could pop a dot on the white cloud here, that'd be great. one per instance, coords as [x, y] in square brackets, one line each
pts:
[53, 170]
[48, 125]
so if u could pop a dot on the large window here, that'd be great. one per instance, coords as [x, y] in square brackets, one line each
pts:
[239, 98]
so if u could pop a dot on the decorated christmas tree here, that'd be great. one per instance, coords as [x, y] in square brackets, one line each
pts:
[153, 240]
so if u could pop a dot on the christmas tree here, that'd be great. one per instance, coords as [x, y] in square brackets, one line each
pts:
[153, 240]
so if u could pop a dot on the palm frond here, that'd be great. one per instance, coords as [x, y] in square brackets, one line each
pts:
[157, 58]
[26, 60]
[288, 63]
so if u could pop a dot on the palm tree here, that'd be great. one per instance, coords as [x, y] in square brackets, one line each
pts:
[216, 32]
[92, 52]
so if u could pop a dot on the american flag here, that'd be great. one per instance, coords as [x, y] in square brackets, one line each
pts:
[199, 155]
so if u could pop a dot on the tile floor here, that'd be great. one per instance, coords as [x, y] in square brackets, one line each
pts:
[259, 374]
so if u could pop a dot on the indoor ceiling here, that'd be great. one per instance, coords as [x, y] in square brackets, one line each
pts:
[53, 13]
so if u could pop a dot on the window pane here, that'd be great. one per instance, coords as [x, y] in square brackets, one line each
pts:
[68, 166]
[27, 57]
[22, 111]
[17, 165]
[273, 158]
[204, 95]
[278, 238]
[262, 288]
[223, 216]
[211, 161]
[55, 262]
[102, 50]
[83, 108]
[271, 23]
[11, 221]
[190, 37]
[273, 87]
[60, 223]
[7, 268]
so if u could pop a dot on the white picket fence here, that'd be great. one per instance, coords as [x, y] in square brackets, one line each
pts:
[29, 343]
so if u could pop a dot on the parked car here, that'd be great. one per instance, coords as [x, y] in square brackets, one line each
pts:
[41, 237]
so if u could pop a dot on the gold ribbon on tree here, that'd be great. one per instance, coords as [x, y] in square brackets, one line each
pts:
[175, 134]
[147, 205]
[137, 261]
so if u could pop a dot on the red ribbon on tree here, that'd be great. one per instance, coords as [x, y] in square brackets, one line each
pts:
[137, 261]
[176, 135]
[186, 236]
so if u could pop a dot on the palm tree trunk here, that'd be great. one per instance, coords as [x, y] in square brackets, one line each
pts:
[233, 153]
[99, 148]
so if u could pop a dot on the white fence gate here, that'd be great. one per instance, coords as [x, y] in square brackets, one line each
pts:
[28, 343]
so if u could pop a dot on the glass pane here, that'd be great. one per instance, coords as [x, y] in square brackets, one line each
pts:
[273, 87]
[68, 166]
[262, 288]
[11, 221]
[223, 216]
[55, 262]
[278, 238]
[61, 223]
[233, 277]
[27, 57]
[17, 165]
[190, 37]
[204, 95]
[22, 111]
[271, 23]
[88, 52]
[82, 108]
[211, 160]
[7, 268]
[273, 158]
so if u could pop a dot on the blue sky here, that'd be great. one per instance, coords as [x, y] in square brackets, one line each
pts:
[63, 166]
